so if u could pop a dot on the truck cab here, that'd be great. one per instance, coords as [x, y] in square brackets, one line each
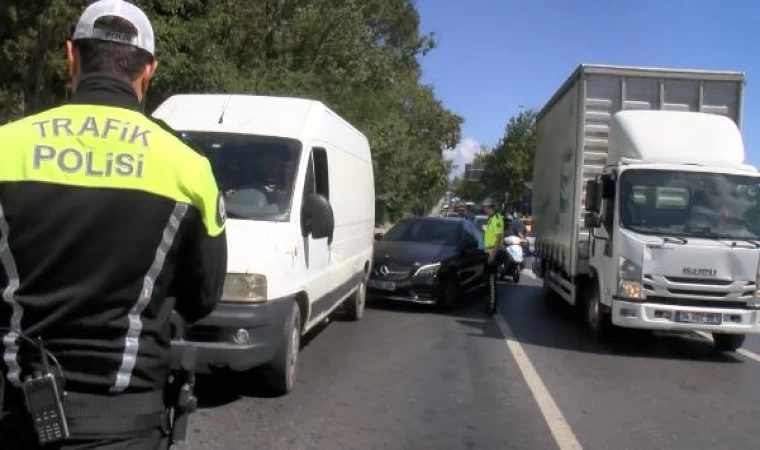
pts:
[674, 228]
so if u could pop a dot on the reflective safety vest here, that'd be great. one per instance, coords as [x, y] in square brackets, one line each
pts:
[494, 228]
[104, 215]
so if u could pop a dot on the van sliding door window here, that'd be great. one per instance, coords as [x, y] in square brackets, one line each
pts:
[321, 172]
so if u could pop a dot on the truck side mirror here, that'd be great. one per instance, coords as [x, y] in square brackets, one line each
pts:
[379, 236]
[592, 220]
[317, 217]
[592, 196]
[608, 187]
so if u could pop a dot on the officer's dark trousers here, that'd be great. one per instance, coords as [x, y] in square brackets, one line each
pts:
[491, 272]
[17, 433]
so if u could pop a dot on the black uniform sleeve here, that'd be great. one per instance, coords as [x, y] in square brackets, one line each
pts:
[201, 268]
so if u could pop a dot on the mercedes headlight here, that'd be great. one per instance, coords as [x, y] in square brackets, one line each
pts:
[428, 270]
[629, 279]
[241, 287]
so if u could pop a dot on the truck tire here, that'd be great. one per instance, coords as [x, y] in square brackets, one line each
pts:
[728, 342]
[281, 372]
[355, 304]
[597, 316]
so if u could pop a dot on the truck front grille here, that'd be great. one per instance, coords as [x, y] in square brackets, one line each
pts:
[676, 290]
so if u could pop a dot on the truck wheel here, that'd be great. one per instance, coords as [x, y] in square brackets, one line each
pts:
[597, 317]
[281, 372]
[728, 342]
[354, 306]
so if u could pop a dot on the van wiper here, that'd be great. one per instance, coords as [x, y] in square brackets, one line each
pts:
[675, 239]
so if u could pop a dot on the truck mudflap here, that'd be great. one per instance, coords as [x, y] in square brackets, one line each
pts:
[654, 316]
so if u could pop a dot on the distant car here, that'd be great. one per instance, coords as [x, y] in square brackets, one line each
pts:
[431, 260]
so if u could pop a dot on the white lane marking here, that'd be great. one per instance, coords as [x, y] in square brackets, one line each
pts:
[559, 427]
[742, 351]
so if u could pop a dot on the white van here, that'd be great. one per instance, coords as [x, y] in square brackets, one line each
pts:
[300, 202]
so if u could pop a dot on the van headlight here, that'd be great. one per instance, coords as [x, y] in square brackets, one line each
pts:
[427, 270]
[629, 279]
[242, 287]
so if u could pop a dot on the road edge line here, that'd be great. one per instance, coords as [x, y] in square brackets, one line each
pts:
[744, 352]
[560, 429]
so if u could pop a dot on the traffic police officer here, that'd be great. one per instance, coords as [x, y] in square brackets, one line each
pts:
[493, 242]
[108, 222]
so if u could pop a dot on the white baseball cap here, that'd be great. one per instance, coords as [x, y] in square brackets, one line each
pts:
[86, 28]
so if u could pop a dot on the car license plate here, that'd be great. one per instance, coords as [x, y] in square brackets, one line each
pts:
[699, 317]
[382, 285]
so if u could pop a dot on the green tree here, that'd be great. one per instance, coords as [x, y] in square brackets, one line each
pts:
[473, 190]
[510, 165]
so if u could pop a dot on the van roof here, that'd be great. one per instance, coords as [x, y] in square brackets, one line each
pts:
[287, 117]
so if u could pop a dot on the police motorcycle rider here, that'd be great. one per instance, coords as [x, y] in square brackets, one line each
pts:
[493, 244]
[108, 222]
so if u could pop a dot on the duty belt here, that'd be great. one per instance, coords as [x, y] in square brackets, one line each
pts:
[92, 415]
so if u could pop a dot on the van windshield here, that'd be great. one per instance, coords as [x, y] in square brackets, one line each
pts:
[255, 173]
[695, 204]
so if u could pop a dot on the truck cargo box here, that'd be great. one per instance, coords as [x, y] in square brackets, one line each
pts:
[572, 141]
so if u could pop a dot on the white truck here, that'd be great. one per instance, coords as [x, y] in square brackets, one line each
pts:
[648, 216]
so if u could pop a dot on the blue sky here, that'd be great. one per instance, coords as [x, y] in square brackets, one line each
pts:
[495, 55]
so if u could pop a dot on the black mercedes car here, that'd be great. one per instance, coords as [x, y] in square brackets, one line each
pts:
[428, 260]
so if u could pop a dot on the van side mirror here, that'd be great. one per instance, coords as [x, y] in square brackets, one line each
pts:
[592, 196]
[317, 217]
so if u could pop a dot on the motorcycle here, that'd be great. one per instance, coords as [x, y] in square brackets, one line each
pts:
[513, 261]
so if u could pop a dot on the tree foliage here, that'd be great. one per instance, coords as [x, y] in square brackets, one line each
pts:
[360, 57]
[473, 190]
[510, 164]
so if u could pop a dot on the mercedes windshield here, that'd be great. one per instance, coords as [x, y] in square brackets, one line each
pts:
[255, 173]
[690, 204]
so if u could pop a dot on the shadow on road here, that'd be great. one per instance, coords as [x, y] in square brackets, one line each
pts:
[533, 322]
[225, 386]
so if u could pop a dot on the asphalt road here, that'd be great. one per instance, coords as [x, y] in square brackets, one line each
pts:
[408, 378]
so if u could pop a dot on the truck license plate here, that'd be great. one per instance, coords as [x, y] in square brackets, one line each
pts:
[699, 317]
[382, 285]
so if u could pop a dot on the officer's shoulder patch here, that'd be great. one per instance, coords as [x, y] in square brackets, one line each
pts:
[221, 210]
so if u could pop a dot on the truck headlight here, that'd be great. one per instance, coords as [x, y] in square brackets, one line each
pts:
[755, 301]
[241, 287]
[427, 270]
[629, 279]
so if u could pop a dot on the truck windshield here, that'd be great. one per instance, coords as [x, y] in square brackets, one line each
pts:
[693, 204]
[255, 173]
